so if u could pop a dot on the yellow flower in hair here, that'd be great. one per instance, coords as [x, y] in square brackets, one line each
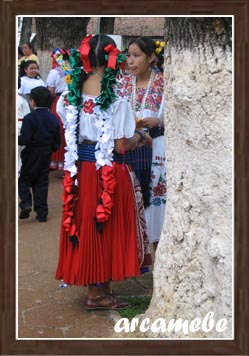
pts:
[159, 46]
[68, 79]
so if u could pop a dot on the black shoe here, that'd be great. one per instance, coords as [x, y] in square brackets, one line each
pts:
[41, 219]
[24, 214]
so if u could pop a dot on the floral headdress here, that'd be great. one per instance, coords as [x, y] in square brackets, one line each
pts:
[103, 153]
[59, 62]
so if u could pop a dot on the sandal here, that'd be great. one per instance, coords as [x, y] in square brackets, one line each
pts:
[105, 302]
[117, 300]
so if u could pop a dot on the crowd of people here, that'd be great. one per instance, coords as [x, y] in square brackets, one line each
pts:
[105, 130]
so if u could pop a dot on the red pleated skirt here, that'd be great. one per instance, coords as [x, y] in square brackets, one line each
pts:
[112, 255]
[57, 160]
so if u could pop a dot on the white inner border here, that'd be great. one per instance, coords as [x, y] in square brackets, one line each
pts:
[233, 159]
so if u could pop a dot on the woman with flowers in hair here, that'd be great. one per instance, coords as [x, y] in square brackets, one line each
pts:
[57, 81]
[103, 232]
[144, 87]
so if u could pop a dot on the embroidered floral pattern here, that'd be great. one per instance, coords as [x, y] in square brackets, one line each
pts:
[158, 189]
[154, 99]
[89, 106]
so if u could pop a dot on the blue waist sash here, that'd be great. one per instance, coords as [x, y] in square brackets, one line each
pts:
[142, 158]
[86, 152]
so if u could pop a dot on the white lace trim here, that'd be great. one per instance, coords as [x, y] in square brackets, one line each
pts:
[105, 142]
[71, 154]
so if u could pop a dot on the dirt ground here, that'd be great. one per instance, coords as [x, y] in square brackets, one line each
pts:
[45, 309]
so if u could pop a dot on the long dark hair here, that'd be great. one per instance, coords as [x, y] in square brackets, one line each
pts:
[148, 46]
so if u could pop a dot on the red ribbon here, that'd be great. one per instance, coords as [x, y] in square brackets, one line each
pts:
[54, 63]
[84, 51]
[112, 59]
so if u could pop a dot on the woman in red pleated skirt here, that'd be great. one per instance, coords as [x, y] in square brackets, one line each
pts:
[112, 254]
[103, 232]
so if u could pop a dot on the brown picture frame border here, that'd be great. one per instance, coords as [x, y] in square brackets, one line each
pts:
[9, 345]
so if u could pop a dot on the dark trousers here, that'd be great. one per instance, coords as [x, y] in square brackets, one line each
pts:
[34, 176]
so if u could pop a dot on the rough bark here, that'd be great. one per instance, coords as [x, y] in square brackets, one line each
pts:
[51, 32]
[193, 267]
[26, 30]
[60, 32]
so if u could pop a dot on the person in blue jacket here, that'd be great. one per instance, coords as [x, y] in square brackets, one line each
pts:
[40, 134]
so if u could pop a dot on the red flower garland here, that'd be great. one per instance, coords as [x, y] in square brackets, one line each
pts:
[69, 198]
[105, 203]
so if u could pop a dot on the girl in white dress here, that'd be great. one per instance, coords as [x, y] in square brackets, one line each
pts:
[30, 77]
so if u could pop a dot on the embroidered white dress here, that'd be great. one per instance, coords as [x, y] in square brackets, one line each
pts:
[154, 107]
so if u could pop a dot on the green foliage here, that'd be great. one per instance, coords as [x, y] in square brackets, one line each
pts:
[138, 305]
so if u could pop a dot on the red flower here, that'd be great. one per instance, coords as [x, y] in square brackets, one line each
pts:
[88, 106]
[69, 198]
[107, 202]
[159, 190]
[108, 179]
[103, 210]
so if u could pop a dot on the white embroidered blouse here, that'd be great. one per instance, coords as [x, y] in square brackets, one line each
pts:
[96, 125]
[123, 122]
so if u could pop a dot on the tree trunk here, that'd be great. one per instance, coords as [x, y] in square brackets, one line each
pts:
[26, 30]
[60, 32]
[193, 268]
[107, 25]
[52, 32]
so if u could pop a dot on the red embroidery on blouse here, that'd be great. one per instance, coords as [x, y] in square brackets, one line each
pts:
[89, 106]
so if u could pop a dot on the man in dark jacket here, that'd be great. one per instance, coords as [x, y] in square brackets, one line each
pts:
[40, 134]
